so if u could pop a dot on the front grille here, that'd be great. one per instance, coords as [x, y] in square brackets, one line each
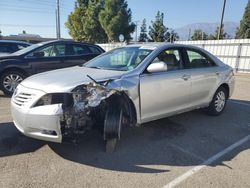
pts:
[22, 98]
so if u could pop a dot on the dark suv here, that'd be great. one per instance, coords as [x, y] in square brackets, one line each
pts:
[43, 57]
[11, 46]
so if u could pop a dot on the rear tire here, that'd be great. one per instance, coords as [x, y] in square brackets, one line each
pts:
[9, 81]
[218, 104]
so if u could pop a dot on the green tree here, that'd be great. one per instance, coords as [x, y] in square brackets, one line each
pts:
[143, 34]
[171, 36]
[115, 19]
[83, 23]
[199, 35]
[244, 29]
[158, 30]
[223, 34]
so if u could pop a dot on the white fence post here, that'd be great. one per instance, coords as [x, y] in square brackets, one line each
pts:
[237, 64]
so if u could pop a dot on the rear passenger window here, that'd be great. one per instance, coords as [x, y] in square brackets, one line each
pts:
[59, 49]
[197, 60]
[80, 50]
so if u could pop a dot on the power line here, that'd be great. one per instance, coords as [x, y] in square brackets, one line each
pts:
[29, 7]
[23, 25]
[22, 10]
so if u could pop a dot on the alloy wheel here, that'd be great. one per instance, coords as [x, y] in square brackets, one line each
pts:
[220, 101]
[11, 81]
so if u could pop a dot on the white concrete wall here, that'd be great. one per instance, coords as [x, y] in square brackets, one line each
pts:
[234, 52]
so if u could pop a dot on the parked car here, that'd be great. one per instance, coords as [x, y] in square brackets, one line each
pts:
[43, 57]
[124, 87]
[11, 46]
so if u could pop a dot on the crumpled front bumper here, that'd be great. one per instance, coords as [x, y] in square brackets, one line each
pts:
[39, 122]
[42, 122]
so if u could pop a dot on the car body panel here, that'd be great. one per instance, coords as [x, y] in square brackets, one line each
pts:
[171, 93]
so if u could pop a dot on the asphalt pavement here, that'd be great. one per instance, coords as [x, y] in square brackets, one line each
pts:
[187, 150]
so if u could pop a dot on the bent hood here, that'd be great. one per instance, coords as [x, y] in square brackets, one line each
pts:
[64, 80]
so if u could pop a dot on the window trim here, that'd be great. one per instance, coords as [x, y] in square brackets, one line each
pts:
[168, 48]
[187, 61]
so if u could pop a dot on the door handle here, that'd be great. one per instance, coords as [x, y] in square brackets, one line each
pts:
[186, 77]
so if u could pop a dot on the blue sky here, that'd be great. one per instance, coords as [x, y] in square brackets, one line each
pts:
[38, 16]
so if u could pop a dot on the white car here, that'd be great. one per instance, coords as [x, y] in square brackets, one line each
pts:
[124, 87]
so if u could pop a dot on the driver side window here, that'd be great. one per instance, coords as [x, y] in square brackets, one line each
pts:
[171, 57]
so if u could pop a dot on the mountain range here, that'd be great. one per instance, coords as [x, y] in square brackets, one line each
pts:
[209, 28]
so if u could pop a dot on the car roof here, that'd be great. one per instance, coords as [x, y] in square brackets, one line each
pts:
[65, 41]
[162, 45]
[14, 41]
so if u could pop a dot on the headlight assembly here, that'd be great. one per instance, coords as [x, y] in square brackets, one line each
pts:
[55, 98]
[45, 100]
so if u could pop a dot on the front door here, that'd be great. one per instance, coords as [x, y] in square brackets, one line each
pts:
[164, 93]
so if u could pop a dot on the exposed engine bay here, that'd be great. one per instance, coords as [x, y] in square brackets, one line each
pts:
[94, 105]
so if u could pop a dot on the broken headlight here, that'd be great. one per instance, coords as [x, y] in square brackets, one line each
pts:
[44, 100]
[55, 98]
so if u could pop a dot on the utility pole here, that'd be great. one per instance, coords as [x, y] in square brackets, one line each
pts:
[221, 21]
[58, 32]
[189, 34]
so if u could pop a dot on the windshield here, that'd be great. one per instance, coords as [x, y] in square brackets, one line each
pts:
[120, 59]
[29, 48]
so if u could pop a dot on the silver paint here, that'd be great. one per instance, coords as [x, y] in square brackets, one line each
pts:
[154, 95]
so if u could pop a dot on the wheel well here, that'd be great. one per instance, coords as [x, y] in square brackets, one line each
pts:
[226, 87]
[126, 104]
[15, 69]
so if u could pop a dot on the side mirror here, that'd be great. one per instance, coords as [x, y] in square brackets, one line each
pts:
[157, 67]
[38, 54]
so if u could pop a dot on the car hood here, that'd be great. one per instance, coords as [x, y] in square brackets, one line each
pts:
[64, 80]
[7, 56]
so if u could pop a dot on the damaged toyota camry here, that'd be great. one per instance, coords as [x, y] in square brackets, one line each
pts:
[124, 87]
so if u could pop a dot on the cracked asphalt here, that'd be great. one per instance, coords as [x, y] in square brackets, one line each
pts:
[151, 156]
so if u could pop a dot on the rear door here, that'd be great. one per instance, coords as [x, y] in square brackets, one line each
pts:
[78, 54]
[165, 93]
[204, 76]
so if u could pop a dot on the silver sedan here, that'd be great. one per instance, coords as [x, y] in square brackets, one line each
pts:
[124, 87]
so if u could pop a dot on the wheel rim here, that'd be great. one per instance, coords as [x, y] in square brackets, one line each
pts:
[11, 81]
[220, 101]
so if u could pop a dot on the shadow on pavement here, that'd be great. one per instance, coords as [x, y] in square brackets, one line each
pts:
[146, 149]
[12, 142]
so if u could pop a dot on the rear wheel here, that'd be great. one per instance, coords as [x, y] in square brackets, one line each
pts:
[9, 81]
[218, 103]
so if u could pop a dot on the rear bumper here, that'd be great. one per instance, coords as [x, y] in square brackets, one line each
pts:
[41, 123]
